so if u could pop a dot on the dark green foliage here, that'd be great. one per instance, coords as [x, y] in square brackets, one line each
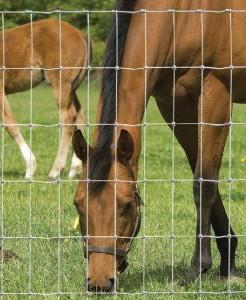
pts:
[99, 22]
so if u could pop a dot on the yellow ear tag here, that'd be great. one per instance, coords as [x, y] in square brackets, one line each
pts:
[76, 224]
[243, 160]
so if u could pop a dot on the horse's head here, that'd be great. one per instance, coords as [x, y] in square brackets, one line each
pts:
[109, 214]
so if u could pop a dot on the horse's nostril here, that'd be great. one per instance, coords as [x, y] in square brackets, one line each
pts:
[107, 286]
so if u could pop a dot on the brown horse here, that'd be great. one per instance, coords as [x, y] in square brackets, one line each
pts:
[186, 61]
[30, 55]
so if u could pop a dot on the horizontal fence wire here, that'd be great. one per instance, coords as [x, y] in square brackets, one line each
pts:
[85, 11]
[88, 126]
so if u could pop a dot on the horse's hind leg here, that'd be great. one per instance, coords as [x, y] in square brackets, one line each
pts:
[14, 131]
[76, 163]
[68, 113]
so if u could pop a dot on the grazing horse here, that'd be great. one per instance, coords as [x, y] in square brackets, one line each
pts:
[189, 58]
[32, 54]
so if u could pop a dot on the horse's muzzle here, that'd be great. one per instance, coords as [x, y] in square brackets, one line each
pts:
[108, 286]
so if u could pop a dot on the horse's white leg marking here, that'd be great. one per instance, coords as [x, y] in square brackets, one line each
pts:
[14, 131]
[76, 167]
[28, 157]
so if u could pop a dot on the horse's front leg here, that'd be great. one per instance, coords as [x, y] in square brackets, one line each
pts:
[214, 115]
[13, 130]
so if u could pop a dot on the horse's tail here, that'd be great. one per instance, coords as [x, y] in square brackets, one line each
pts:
[88, 55]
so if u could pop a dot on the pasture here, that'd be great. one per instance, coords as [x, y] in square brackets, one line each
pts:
[37, 218]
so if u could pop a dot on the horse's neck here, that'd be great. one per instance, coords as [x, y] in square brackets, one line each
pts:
[131, 104]
[136, 80]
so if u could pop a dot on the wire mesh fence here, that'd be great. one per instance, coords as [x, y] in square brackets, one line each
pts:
[49, 242]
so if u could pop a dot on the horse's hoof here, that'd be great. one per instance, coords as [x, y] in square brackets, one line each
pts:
[52, 179]
[235, 277]
[73, 173]
[29, 174]
[190, 277]
[55, 175]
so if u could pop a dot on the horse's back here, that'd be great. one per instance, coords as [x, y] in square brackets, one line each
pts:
[46, 44]
[216, 39]
[59, 43]
[209, 33]
[209, 36]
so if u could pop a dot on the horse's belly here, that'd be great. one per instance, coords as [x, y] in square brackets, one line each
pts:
[21, 80]
[238, 86]
[240, 101]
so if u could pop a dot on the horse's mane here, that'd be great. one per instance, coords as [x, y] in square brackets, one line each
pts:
[100, 157]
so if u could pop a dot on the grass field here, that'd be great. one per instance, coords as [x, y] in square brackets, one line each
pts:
[45, 210]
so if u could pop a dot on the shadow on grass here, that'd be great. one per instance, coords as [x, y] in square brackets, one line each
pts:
[162, 277]
[239, 196]
[133, 281]
[13, 174]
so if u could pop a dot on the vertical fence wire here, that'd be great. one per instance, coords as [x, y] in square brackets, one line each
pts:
[88, 147]
[2, 153]
[30, 154]
[173, 151]
[60, 129]
[201, 154]
[116, 128]
[144, 145]
[230, 154]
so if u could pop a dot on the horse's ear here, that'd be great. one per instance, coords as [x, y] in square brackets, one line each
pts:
[125, 146]
[80, 146]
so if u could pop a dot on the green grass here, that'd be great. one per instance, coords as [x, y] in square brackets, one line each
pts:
[33, 209]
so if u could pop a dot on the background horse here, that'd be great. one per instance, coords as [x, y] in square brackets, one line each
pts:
[185, 60]
[39, 46]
